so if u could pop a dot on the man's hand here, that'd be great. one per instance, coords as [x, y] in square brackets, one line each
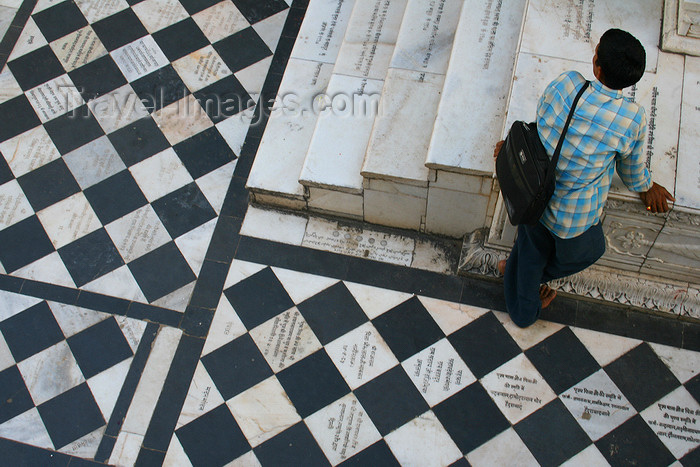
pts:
[656, 199]
[498, 148]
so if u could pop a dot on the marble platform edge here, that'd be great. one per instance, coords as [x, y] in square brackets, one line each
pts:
[9, 39]
[671, 41]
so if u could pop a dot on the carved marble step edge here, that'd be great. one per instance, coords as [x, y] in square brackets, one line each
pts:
[597, 282]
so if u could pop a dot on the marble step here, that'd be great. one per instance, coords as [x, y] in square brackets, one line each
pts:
[274, 177]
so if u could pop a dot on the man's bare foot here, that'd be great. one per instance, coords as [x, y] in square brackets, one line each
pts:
[502, 266]
[547, 294]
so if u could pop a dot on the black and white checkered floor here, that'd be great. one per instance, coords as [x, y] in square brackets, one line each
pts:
[137, 326]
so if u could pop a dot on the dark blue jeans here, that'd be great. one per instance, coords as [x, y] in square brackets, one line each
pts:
[539, 256]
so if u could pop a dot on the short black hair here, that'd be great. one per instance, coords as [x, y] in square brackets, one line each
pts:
[621, 57]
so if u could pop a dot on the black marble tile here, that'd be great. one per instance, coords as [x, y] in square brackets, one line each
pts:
[484, 345]
[119, 29]
[224, 98]
[312, 383]
[642, 376]
[31, 455]
[408, 328]
[255, 10]
[103, 303]
[471, 417]
[693, 387]
[195, 6]
[692, 458]
[204, 152]
[224, 241]
[36, 67]
[610, 320]
[115, 197]
[17, 116]
[691, 336]
[236, 366]
[294, 446]
[23, 243]
[562, 360]
[71, 415]
[154, 314]
[148, 457]
[5, 173]
[98, 77]
[634, 443]
[483, 293]
[74, 129]
[253, 307]
[138, 141]
[161, 271]
[10, 283]
[180, 39]
[562, 310]
[90, 257]
[377, 454]
[247, 156]
[196, 321]
[391, 400]
[48, 184]
[236, 200]
[56, 293]
[213, 439]
[653, 328]
[552, 435]
[332, 313]
[59, 20]
[242, 49]
[160, 88]
[14, 394]
[99, 347]
[207, 291]
[31, 331]
[183, 210]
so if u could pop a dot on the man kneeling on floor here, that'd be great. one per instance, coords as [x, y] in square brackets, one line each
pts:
[607, 130]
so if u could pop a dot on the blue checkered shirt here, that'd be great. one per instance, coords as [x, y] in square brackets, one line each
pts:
[606, 131]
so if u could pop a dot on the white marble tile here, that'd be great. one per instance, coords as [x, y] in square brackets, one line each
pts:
[517, 388]
[426, 36]
[132, 329]
[28, 428]
[241, 270]
[675, 419]
[330, 201]
[572, 31]
[95, 10]
[9, 88]
[323, 29]
[175, 455]
[14, 303]
[605, 348]
[423, 441]
[285, 339]
[193, 245]
[361, 355]
[78, 48]
[252, 78]
[274, 225]
[473, 103]
[201, 68]
[6, 358]
[401, 134]
[139, 58]
[69, 220]
[182, 119]
[85, 446]
[451, 316]
[438, 372]
[117, 109]
[54, 98]
[263, 411]
[225, 327]
[214, 185]
[374, 300]
[202, 396]
[30, 39]
[370, 38]
[50, 372]
[270, 29]
[589, 456]
[432, 257]
[158, 14]
[688, 175]
[598, 405]
[94, 162]
[29, 150]
[73, 319]
[343, 429]
[534, 334]
[234, 130]
[289, 130]
[138, 233]
[50, 269]
[7, 14]
[393, 210]
[14, 205]
[160, 174]
[118, 283]
[327, 235]
[15, 4]
[220, 21]
[126, 449]
[178, 299]
[684, 364]
[106, 386]
[502, 449]
[301, 286]
[42, 5]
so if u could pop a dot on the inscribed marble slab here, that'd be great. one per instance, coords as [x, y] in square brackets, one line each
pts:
[322, 31]
[572, 29]
[117, 109]
[9, 88]
[423, 441]
[158, 14]
[50, 372]
[94, 162]
[202, 396]
[160, 174]
[426, 35]
[95, 10]
[14, 205]
[220, 21]
[182, 119]
[688, 175]
[138, 233]
[54, 98]
[201, 68]
[139, 58]
[78, 48]
[28, 151]
[30, 39]
[676, 421]
[69, 220]
[473, 103]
